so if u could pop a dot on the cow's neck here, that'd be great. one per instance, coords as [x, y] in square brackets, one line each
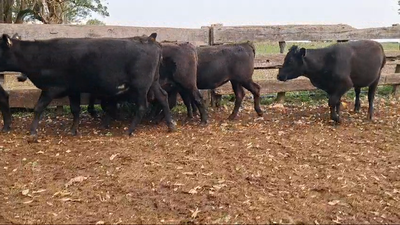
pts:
[314, 62]
[31, 57]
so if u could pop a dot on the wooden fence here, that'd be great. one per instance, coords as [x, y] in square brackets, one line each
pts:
[25, 95]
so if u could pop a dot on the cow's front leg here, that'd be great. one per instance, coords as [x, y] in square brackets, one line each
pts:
[333, 102]
[162, 98]
[5, 110]
[44, 100]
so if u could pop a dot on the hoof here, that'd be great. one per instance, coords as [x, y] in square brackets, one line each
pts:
[203, 123]
[337, 122]
[6, 129]
[171, 128]
[232, 117]
[74, 132]
[129, 133]
[33, 138]
[260, 113]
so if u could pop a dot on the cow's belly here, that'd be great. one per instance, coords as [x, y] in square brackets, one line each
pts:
[81, 82]
[211, 80]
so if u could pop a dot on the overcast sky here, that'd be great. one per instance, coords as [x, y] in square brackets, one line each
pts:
[197, 13]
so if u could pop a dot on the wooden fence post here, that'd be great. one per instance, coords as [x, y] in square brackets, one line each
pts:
[281, 95]
[396, 88]
[213, 98]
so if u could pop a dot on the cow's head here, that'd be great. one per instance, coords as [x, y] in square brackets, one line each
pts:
[6, 44]
[293, 66]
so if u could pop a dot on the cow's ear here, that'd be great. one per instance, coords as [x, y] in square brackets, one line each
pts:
[6, 40]
[303, 52]
[153, 36]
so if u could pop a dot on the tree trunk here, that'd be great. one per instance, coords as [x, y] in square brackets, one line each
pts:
[2, 12]
[8, 11]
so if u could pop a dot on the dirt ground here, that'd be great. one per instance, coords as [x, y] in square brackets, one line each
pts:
[290, 166]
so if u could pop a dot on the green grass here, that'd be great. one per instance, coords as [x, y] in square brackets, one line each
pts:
[318, 96]
[263, 48]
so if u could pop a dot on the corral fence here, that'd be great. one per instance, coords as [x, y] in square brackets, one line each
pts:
[25, 95]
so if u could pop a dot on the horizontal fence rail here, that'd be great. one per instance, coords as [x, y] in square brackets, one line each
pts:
[222, 34]
[48, 31]
[25, 95]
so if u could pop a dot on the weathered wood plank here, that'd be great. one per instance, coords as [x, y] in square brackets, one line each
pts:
[228, 34]
[48, 31]
[27, 98]
[300, 84]
[271, 61]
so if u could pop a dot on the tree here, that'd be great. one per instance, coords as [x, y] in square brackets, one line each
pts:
[51, 11]
[95, 22]
[6, 11]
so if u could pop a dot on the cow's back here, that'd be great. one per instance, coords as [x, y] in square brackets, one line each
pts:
[219, 64]
[367, 60]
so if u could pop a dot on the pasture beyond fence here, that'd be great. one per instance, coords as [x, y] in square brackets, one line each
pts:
[25, 95]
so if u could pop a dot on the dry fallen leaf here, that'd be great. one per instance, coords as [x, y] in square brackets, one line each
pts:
[113, 156]
[25, 192]
[78, 179]
[61, 193]
[194, 190]
[70, 200]
[334, 202]
[195, 213]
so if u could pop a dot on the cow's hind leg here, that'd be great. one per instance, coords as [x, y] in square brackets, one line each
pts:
[141, 103]
[371, 97]
[91, 110]
[110, 111]
[215, 98]
[198, 100]
[239, 95]
[75, 104]
[187, 100]
[357, 104]
[194, 107]
[162, 98]
[337, 107]
[5, 110]
[255, 90]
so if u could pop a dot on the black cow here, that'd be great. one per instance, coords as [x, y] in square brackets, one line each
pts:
[338, 68]
[229, 62]
[222, 63]
[5, 110]
[106, 67]
[178, 74]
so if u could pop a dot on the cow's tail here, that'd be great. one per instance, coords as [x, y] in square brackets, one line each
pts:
[384, 57]
[251, 44]
[383, 61]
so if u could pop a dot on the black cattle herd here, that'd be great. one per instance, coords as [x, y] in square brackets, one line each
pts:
[141, 70]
